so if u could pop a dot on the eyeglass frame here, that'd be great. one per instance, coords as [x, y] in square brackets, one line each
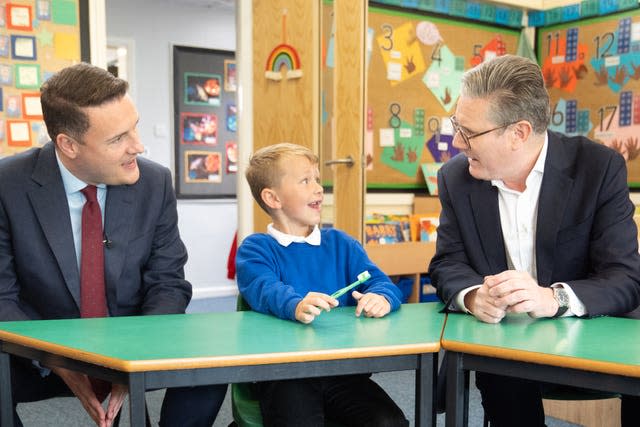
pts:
[467, 138]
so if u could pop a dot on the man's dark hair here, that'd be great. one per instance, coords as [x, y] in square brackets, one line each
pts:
[65, 94]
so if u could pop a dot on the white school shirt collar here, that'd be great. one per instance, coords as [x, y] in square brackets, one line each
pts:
[286, 239]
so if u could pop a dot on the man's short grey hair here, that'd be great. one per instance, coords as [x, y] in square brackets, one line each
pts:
[514, 86]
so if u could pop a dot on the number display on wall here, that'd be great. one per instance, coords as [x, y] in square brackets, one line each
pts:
[592, 71]
[414, 65]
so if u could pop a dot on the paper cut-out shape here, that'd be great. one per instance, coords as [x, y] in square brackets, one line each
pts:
[443, 78]
[404, 156]
[428, 33]
[401, 53]
[64, 12]
[67, 46]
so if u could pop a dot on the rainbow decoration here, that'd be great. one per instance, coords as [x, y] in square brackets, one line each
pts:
[283, 55]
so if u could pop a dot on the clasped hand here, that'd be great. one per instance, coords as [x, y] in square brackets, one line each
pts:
[81, 387]
[314, 303]
[510, 292]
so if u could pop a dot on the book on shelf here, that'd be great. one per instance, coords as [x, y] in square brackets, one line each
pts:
[385, 229]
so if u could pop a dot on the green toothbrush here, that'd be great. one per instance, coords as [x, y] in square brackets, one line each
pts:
[362, 277]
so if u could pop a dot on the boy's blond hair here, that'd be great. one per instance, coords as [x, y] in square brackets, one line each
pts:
[265, 168]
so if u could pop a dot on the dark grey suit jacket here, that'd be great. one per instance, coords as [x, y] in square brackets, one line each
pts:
[586, 236]
[39, 277]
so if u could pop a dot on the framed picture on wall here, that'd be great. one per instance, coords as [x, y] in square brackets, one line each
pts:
[23, 47]
[230, 82]
[204, 123]
[202, 166]
[198, 128]
[202, 89]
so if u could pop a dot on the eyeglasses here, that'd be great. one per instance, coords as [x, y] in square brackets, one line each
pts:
[467, 138]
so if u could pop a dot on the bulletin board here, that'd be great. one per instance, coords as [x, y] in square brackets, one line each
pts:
[205, 122]
[592, 71]
[414, 65]
[37, 39]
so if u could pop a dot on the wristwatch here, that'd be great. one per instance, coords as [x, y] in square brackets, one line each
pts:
[562, 297]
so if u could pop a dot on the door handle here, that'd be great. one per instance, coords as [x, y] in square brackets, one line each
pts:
[346, 161]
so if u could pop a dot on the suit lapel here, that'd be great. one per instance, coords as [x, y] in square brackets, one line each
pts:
[50, 205]
[484, 205]
[119, 212]
[554, 196]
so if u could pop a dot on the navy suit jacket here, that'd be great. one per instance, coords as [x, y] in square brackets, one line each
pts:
[39, 277]
[586, 236]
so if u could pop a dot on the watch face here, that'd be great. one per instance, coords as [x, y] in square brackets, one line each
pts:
[561, 296]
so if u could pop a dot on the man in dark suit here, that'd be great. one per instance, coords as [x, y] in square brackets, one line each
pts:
[532, 222]
[92, 124]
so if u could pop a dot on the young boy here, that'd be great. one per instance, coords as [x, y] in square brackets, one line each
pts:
[291, 271]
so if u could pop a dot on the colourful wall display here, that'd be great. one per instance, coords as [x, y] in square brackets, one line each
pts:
[592, 71]
[37, 38]
[414, 65]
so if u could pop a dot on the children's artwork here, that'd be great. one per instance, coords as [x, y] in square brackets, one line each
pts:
[202, 89]
[13, 106]
[19, 17]
[31, 107]
[28, 76]
[232, 122]
[430, 172]
[230, 76]
[413, 84]
[231, 150]
[18, 133]
[6, 75]
[591, 68]
[198, 128]
[4, 46]
[23, 47]
[202, 166]
[37, 39]
[43, 10]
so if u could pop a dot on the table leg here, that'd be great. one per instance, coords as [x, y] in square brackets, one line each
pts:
[426, 390]
[136, 399]
[6, 403]
[456, 400]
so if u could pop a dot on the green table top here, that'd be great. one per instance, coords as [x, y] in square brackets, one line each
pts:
[146, 343]
[602, 344]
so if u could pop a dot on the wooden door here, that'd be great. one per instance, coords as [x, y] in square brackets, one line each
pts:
[344, 85]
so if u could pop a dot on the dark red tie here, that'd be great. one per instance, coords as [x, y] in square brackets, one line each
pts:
[93, 299]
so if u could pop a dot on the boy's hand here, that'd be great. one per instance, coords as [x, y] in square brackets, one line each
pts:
[312, 305]
[373, 305]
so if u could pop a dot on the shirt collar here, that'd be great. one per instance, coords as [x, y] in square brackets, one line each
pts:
[71, 183]
[286, 239]
[538, 167]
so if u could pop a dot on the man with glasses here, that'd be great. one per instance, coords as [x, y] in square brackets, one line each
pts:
[532, 222]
